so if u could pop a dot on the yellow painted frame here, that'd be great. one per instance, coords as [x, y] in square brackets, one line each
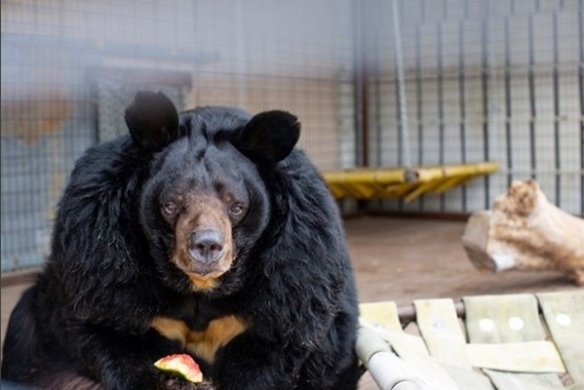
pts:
[403, 183]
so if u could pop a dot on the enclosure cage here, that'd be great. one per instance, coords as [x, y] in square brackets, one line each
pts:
[377, 83]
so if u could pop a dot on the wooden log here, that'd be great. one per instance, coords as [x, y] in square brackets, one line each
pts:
[525, 231]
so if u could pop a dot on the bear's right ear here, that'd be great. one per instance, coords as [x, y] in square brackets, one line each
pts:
[269, 136]
[152, 120]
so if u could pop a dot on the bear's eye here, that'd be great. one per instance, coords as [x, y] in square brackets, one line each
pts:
[169, 208]
[236, 209]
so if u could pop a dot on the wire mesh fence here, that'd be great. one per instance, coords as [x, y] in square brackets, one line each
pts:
[374, 83]
[497, 80]
[70, 68]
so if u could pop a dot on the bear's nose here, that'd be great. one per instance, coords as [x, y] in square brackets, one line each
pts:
[206, 245]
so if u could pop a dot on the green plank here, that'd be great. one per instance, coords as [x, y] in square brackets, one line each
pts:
[508, 319]
[564, 315]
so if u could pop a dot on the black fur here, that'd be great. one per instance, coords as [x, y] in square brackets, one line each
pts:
[152, 120]
[86, 323]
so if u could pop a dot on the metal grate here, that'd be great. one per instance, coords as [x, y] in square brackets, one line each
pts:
[112, 99]
[70, 68]
[46, 123]
[497, 80]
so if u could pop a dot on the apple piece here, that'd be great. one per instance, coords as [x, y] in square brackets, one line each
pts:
[181, 365]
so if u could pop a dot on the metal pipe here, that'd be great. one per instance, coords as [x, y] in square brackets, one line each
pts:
[399, 63]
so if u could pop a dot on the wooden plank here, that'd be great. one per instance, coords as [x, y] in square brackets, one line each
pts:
[564, 315]
[469, 379]
[442, 332]
[503, 319]
[381, 318]
[522, 381]
[508, 319]
[381, 314]
[529, 356]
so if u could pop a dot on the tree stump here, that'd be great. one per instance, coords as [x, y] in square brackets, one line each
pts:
[524, 231]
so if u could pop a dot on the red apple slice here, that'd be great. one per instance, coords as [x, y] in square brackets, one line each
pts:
[181, 365]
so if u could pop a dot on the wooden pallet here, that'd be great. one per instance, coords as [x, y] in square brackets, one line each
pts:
[504, 342]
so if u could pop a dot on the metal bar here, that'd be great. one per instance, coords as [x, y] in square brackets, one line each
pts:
[419, 96]
[420, 102]
[396, 83]
[407, 313]
[492, 98]
[360, 89]
[485, 103]
[581, 82]
[365, 116]
[444, 10]
[440, 105]
[240, 55]
[377, 90]
[377, 70]
[556, 76]
[403, 133]
[402, 113]
[532, 108]
[94, 102]
[508, 107]
[462, 100]
[476, 72]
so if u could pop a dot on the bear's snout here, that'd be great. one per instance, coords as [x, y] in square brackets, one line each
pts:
[205, 246]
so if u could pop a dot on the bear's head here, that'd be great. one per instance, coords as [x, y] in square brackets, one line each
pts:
[204, 204]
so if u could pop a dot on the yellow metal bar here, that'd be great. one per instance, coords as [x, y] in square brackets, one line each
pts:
[449, 183]
[392, 183]
[387, 177]
[399, 191]
[421, 189]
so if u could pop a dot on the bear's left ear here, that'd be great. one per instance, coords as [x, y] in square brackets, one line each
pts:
[269, 136]
[152, 120]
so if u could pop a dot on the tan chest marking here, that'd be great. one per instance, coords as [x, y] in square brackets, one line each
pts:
[200, 284]
[205, 343]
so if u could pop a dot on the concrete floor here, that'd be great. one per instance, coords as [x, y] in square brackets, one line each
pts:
[406, 259]
[402, 259]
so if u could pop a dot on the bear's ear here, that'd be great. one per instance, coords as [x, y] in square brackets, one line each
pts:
[152, 120]
[269, 136]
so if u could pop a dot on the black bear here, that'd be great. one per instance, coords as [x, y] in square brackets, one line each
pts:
[205, 233]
